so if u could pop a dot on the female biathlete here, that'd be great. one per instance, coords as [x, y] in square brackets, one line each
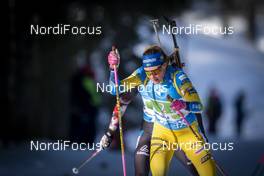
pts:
[167, 93]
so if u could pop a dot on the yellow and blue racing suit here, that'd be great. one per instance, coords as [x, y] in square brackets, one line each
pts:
[169, 128]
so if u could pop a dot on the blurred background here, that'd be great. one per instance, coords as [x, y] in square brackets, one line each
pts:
[48, 82]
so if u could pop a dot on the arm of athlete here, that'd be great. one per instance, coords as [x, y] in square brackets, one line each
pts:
[125, 99]
[190, 98]
[191, 101]
[125, 85]
[129, 84]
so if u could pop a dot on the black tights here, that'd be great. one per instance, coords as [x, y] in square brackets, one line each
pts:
[143, 151]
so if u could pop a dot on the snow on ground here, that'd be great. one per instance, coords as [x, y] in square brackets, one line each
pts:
[20, 161]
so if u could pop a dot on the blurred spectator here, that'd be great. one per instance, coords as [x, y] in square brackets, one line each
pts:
[213, 110]
[84, 106]
[240, 111]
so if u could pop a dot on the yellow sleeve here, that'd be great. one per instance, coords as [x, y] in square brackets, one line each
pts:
[132, 81]
[185, 88]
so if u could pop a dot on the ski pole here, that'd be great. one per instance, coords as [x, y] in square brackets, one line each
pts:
[119, 114]
[220, 169]
[76, 170]
[222, 173]
[155, 24]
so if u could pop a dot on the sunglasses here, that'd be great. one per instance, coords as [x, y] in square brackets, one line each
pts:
[154, 72]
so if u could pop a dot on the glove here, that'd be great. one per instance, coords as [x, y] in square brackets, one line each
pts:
[113, 59]
[178, 105]
[106, 139]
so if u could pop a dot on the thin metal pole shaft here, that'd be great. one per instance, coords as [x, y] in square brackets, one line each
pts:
[120, 118]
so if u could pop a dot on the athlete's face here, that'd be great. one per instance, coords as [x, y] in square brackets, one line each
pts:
[156, 74]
